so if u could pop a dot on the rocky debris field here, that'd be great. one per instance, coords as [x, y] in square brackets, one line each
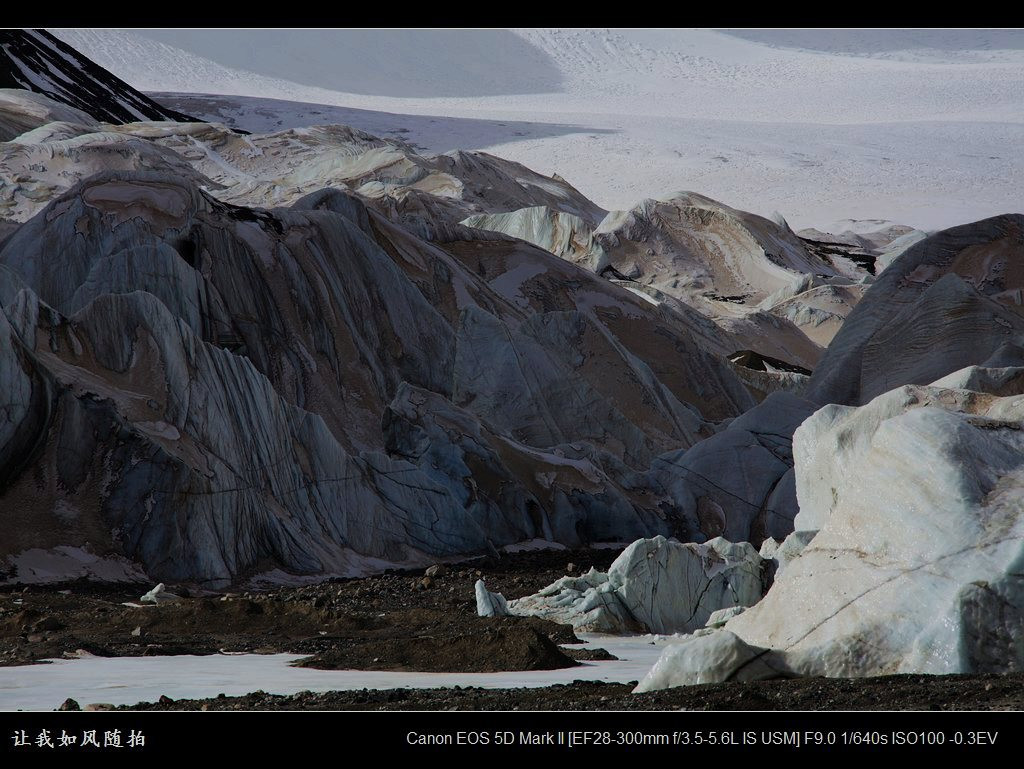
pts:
[407, 621]
[395, 621]
[908, 692]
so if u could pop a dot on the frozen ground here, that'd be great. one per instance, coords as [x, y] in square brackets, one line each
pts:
[923, 127]
[128, 680]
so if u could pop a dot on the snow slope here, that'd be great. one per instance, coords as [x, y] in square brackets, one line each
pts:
[901, 44]
[922, 127]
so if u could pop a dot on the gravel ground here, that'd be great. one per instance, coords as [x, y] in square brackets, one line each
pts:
[405, 621]
[988, 692]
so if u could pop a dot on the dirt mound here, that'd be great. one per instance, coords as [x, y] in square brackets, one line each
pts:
[480, 645]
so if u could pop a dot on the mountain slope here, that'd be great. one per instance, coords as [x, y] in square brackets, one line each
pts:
[308, 388]
[37, 61]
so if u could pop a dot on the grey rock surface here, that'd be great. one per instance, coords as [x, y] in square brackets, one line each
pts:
[315, 389]
[738, 483]
[949, 301]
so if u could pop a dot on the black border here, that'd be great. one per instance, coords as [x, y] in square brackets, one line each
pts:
[375, 737]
